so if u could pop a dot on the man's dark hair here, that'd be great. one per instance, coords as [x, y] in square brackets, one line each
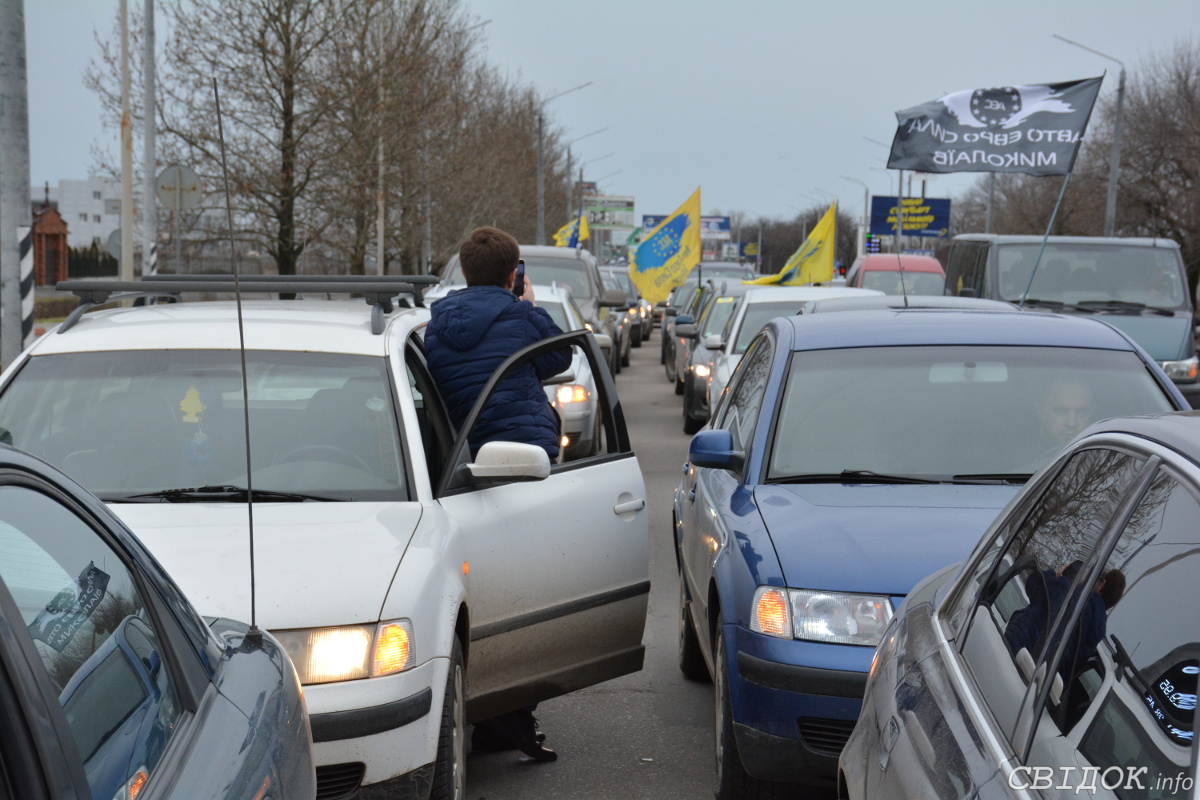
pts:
[488, 257]
[1114, 587]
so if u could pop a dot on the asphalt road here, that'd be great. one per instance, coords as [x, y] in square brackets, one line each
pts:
[647, 735]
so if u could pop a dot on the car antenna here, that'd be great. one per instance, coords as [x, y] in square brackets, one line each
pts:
[254, 635]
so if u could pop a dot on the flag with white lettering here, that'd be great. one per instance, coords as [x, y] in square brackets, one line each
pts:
[1032, 129]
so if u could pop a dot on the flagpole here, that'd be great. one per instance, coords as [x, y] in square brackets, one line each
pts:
[1050, 227]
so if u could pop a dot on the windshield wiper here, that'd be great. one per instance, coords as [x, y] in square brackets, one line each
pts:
[233, 494]
[1015, 478]
[1124, 305]
[850, 476]
[1036, 301]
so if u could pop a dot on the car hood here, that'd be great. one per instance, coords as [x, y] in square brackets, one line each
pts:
[872, 538]
[317, 564]
[1163, 338]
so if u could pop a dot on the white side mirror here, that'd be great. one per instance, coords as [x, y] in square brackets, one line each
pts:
[505, 462]
[713, 342]
[560, 378]
[604, 340]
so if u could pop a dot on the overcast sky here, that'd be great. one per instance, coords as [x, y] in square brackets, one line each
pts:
[763, 104]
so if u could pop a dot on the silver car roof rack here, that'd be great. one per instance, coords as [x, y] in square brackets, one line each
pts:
[378, 290]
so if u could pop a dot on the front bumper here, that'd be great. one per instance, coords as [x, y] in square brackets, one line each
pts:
[794, 705]
[390, 724]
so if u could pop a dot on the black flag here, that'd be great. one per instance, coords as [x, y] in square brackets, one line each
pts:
[1031, 129]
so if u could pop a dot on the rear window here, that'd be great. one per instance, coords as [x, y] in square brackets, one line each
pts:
[569, 273]
[1093, 274]
[890, 282]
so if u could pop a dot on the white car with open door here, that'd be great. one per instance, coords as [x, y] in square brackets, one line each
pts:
[413, 588]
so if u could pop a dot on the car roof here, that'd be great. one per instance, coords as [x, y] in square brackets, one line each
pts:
[785, 294]
[1106, 240]
[1178, 430]
[900, 301]
[328, 326]
[887, 262]
[915, 326]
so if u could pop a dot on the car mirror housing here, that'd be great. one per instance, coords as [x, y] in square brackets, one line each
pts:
[714, 342]
[684, 319]
[614, 298]
[714, 449]
[685, 330]
[508, 462]
[670, 311]
[560, 378]
[604, 340]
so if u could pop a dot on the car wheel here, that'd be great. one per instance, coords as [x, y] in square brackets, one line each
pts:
[732, 781]
[636, 341]
[449, 772]
[691, 660]
[625, 357]
[690, 423]
[678, 385]
[670, 365]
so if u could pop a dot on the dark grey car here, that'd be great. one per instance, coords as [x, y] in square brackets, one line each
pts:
[1062, 659]
[111, 686]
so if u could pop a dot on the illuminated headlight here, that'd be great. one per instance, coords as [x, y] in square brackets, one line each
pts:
[351, 652]
[573, 393]
[702, 370]
[588, 325]
[830, 617]
[1185, 370]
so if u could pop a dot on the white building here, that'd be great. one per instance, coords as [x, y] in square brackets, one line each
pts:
[91, 208]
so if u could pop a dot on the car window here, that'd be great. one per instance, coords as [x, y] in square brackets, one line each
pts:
[1020, 607]
[718, 313]
[748, 386]
[569, 273]
[890, 282]
[756, 315]
[94, 636]
[1126, 696]
[433, 424]
[1093, 273]
[967, 269]
[127, 423]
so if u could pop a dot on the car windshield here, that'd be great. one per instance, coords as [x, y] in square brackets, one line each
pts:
[564, 319]
[127, 423]
[1091, 274]
[570, 273]
[888, 282]
[939, 412]
[719, 312]
[623, 282]
[759, 314]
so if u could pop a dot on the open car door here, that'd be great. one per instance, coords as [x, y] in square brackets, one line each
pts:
[557, 554]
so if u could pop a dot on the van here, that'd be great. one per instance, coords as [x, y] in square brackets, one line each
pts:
[1138, 286]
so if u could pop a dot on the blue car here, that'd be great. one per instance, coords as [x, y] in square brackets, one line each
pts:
[853, 454]
[111, 684]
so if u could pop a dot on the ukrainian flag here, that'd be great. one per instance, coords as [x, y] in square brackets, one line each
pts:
[813, 262]
[667, 254]
[571, 234]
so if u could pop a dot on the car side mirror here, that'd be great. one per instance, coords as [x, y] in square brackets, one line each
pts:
[604, 340]
[560, 378]
[684, 319]
[685, 330]
[613, 298]
[714, 342]
[670, 311]
[508, 462]
[967, 291]
[714, 449]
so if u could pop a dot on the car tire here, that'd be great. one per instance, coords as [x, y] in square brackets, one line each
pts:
[636, 341]
[732, 781]
[690, 423]
[449, 772]
[672, 377]
[691, 660]
[678, 385]
[625, 358]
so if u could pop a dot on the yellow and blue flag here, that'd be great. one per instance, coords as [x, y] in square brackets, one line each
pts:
[667, 254]
[571, 234]
[813, 261]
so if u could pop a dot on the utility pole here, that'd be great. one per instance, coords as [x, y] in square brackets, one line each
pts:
[126, 270]
[541, 191]
[149, 157]
[15, 198]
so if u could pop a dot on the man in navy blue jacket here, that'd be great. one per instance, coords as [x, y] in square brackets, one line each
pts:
[473, 330]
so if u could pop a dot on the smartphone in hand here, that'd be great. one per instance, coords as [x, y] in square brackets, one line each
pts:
[519, 284]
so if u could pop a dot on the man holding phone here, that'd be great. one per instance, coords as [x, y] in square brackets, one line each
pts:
[473, 330]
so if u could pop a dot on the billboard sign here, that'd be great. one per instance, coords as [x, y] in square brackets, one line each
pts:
[923, 216]
[608, 212]
[714, 228]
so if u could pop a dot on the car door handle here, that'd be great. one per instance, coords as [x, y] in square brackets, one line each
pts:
[692, 495]
[630, 507]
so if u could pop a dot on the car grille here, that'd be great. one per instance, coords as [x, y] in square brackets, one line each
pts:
[335, 781]
[825, 736]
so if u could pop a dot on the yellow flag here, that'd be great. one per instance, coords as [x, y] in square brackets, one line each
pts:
[813, 261]
[571, 234]
[667, 254]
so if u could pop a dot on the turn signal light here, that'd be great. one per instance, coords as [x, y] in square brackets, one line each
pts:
[393, 650]
[771, 613]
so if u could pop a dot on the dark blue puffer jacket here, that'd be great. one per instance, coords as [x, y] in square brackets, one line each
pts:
[471, 331]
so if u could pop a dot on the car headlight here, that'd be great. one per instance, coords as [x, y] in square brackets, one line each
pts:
[831, 617]
[702, 370]
[572, 393]
[349, 652]
[1185, 370]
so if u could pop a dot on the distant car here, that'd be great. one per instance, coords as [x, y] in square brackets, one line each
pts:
[640, 311]
[711, 270]
[627, 328]
[399, 559]
[853, 454]
[572, 267]
[882, 271]
[1139, 285]
[1061, 659]
[573, 394]
[872, 302]
[704, 345]
[759, 305]
[110, 681]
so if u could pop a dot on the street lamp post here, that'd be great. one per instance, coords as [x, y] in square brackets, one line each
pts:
[570, 187]
[541, 192]
[1114, 161]
[866, 217]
